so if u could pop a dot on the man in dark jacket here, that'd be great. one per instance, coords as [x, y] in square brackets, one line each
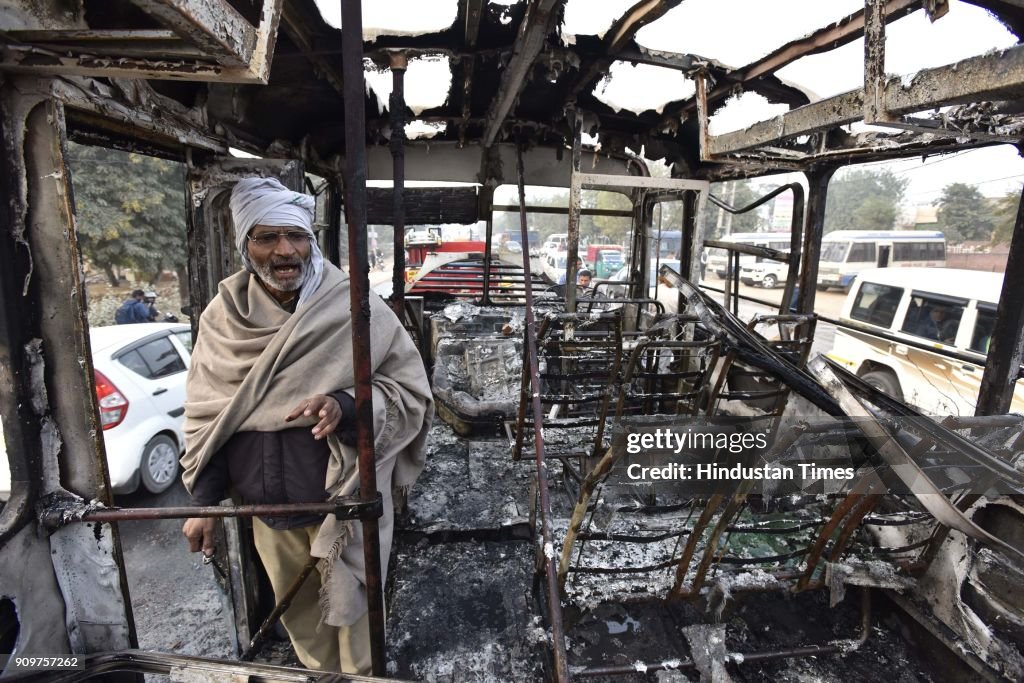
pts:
[134, 310]
[269, 415]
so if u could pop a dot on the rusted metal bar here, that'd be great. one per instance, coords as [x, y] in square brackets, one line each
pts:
[355, 211]
[796, 234]
[473, 11]
[678, 590]
[342, 508]
[573, 227]
[485, 298]
[280, 608]
[546, 550]
[399, 64]
[703, 126]
[334, 209]
[1007, 347]
[562, 211]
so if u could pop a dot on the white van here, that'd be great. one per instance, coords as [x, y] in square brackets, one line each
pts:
[555, 243]
[844, 253]
[756, 267]
[942, 308]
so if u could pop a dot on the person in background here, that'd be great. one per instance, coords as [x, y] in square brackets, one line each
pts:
[579, 267]
[583, 280]
[133, 310]
[150, 299]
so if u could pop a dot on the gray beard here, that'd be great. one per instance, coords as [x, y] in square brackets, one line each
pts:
[265, 272]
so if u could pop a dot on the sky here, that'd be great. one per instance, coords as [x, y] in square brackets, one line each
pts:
[695, 27]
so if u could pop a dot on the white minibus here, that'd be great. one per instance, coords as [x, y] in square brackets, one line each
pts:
[844, 253]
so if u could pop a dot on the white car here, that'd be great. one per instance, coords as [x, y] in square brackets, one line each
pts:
[767, 274]
[140, 387]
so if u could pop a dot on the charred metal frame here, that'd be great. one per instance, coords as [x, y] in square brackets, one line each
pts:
[48, 347]
[355, 213]
[545, 540]
[213, 41]
[209, 41]
[399, 64]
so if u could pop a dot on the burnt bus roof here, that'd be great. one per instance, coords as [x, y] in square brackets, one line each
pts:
[267, 80]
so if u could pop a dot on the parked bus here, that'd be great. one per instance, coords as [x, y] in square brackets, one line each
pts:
[845, 253]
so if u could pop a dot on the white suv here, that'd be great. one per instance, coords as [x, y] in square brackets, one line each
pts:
[767, 274]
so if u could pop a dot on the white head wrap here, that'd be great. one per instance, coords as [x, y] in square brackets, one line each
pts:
[265, 201]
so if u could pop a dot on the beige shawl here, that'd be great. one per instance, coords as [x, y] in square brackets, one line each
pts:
[253, 362]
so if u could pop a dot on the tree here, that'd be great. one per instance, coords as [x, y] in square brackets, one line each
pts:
[130, 211]
[1004, 216]
[863, 199]
[963, 213]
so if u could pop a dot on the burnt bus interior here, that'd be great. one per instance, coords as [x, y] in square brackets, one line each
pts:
[523, 553]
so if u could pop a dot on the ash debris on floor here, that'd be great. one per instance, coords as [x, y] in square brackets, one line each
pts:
[177, 604]
[459, 603]
[653, 632]
[469, 487]
[461, 611]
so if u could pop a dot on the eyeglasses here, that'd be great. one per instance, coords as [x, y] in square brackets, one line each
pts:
[267, 240]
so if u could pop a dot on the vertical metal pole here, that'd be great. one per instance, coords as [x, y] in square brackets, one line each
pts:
[796, 228]
[814, 229]
[399, 63]
[355, 186]
[575, 190]
[543, 500]
[334, 209]
[1007, 347]
[486, 200]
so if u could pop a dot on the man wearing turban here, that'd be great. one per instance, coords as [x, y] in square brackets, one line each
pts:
[269, 414]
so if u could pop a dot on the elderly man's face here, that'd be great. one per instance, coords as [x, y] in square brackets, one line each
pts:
[282, 263]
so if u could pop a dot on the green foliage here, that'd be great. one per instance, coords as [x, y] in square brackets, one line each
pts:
[130, 211]
[1004, 216]
[864, 199]
[964, 213]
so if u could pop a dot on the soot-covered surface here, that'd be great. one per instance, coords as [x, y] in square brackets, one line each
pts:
[472, 488]
[626, 635]
[461, 611]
